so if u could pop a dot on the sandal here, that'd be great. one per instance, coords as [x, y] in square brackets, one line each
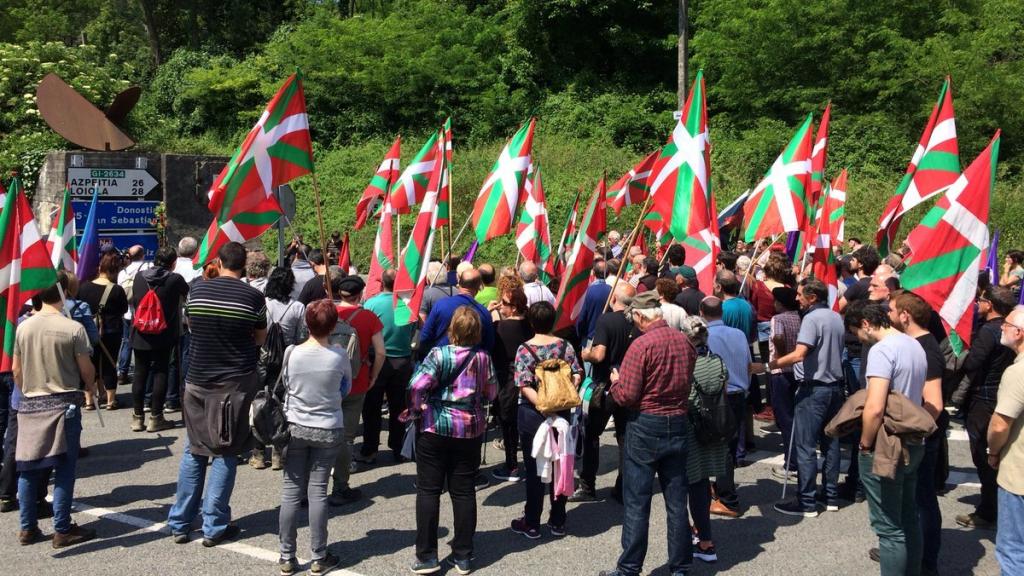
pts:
[112, 405]
[89, 407]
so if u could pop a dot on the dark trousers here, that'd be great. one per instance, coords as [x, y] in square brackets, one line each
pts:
[928, 513]
[814, 407]
[509, 437]
[597, 421]
[978, 415]
[106, 370]
[9, 472]
[783, 389]
[654, 445]
[457, 461]
[6, 388]
[155, 363]
[725, 486]
[392, 383]
[178, 370]
[700, 507]
[535, 489]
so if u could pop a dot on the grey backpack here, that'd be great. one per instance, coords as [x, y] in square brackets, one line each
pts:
[344, 335]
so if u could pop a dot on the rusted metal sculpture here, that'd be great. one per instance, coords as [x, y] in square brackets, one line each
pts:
[78, 121]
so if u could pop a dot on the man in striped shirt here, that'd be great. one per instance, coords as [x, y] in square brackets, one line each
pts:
[228, 319]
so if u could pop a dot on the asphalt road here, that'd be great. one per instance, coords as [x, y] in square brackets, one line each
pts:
[126, 486]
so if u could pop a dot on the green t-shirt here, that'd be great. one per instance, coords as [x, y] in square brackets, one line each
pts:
[486, 295]
[397, 339]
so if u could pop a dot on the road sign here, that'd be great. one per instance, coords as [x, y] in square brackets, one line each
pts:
[125, 240]
[110, 182]
[114, 215]
[287, 201]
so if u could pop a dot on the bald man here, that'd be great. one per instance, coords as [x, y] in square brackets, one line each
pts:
[612, 336]
[535, 290]
[435, 329]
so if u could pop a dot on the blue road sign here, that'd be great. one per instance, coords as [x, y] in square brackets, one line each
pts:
[117, 214]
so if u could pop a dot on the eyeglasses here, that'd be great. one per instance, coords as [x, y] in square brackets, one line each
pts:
[1006, 323]
[506, 303]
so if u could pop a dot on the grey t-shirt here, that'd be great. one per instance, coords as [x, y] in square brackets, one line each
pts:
[822, 331]
[901, 360]
[317, 378]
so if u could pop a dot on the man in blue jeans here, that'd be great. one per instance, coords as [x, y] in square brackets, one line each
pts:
[819, 345]
[654, 386]
[229, 323]
[52, 355]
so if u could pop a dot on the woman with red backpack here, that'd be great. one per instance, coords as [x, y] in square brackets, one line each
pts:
[157, 294]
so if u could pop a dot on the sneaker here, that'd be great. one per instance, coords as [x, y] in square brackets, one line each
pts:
[708, 554]
[258, 462]
[425, 566]
[180, 537]
[462, 566]
[8, 504]
[346, 496]
[766, 415]
[583, 495]
[794, 508]
[718, 508]
[171, 408]
[783, 474]
[972, 520]
[557, 531]
[875, 555]
[30, 536]
[506, 475]
[288, 566]
[276, 463]
[76, 535]
[481, 482]
[324, 565]
[519, 526]
[229, 533]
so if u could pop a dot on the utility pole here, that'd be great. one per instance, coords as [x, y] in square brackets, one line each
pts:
[682, 67]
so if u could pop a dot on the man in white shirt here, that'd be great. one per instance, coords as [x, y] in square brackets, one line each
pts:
[535, 290]
[187, 247]
[125, 279]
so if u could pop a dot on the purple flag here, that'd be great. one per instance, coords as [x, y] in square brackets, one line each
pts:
[88, 245]
[792, 243]
[992, 266]
[471, 252]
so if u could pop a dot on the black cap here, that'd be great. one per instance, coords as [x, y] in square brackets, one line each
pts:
[351, 285]
[787, 297]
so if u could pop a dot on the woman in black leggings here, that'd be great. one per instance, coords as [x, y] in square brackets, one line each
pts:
[153, 350]
[108, 302]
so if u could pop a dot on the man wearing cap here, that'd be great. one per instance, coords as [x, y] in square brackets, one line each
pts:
[689, 296]
[348, 291]
[653, 386]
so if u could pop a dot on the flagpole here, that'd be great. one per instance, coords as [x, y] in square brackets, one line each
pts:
[323, 235]
[632, 240]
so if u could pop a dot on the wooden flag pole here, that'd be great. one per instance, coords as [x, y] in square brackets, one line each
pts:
[323, 235]
[622, 264]
[753, 259]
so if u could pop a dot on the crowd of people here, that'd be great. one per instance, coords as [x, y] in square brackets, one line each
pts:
[680, 369]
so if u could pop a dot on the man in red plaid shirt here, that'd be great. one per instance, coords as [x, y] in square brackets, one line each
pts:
[654, 386]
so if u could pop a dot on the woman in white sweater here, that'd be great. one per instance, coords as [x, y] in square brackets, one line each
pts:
[317, 376]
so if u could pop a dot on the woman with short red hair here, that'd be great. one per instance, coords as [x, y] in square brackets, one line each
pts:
[316, 376]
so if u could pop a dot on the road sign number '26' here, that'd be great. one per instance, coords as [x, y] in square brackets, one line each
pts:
[110, 182]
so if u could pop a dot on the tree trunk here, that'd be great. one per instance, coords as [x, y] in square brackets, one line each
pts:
[149, 23]
[682, 71]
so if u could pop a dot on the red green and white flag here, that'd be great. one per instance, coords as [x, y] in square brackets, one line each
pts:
[948, 247]
[581, 258]
[25, 266]
[383, 256]
[934, 166]
[373, 195]
[681, 186]
[568, 236]
[444, 194]
[62, 243]
[277, 150]
[819, 156]
[633, 187]
[411, 280]
[780, 202]
[500, 196]
[533, 236]
[681, 177]
[829, 233]
[411, 186]
[344, 255]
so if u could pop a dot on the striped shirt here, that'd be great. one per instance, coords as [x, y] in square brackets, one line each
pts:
[452, 407]
[223, 313]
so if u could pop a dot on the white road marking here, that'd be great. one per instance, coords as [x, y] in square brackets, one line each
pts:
[161, 527]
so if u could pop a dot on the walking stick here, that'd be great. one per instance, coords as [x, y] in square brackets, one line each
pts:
[789, 457]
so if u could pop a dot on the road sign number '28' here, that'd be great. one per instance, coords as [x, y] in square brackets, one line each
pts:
[110, 182]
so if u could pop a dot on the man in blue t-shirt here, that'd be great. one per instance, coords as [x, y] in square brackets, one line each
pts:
[435, 329]
[593, 302]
